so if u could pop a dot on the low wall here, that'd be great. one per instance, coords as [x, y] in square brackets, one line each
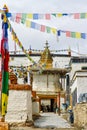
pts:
[35, 108]
[19, 104]
[80, 114]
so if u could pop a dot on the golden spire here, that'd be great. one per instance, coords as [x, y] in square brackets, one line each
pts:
[46, 58]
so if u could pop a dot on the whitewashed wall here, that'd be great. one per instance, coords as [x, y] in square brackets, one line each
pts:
[80, 82]
[75, 67]
[24, 61]
[82, 86]
[19, 106]
[58, 62]
[40, 83]
[35, 107]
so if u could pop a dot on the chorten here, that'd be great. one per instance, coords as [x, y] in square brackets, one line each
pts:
[46, 58]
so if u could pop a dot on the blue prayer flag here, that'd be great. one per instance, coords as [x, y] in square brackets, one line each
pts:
[58, 32]
[32, 25]
[83, 35]
[35, 16]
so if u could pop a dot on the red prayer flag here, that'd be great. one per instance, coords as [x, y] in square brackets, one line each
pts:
[42, 28]
[6, 60]
[47, 16]
[68, 33]
[2, 48]
[18, 17]
[76, 16]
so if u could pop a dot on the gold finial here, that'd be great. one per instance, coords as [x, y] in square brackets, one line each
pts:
[5, 8]
[46, 44]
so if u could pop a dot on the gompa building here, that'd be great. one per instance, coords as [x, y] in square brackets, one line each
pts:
[48, 84]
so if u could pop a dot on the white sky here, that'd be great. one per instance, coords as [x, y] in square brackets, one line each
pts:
[36, 38]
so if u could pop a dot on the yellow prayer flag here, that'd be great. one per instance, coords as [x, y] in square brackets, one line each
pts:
[4, 103]
[13, 36]
[85, 15]
[59, 15]
[53, 30]
[28, 23]
[5, 19]
[16, 39]
[30, 16]
[78, 35]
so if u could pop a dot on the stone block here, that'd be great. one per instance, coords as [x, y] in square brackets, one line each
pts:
[4, 126]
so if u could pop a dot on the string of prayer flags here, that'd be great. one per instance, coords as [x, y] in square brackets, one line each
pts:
[34, 25]
[15, 38]
[80, 15]
[47, 29]
[46, 16]
[72, 34]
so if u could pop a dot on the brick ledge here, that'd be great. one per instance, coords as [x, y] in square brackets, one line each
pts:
[19, 87]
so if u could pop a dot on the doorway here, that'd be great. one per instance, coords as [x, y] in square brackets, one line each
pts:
[52, 105]
[47, 105]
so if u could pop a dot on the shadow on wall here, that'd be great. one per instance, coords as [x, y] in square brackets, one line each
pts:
[83, 97]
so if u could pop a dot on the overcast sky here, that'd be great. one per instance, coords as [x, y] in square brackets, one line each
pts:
[36, 38]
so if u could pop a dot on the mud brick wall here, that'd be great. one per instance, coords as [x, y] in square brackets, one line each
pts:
[80, 114]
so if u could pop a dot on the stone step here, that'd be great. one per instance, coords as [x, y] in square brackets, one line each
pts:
[68, 129]
[31, 128]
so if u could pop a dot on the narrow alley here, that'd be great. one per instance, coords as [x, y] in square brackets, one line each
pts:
[49, 121]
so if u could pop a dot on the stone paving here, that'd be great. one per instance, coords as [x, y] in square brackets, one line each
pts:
[51, 120]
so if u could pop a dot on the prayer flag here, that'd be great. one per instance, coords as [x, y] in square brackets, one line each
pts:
[30, 16]
[78, 35]
[5, 77]
[47, 16]
[40, 16]
[35, 16]
[38, 26]
[48, 29]
[54, 31]
[59, 15]
[5, 60]
[83, 35]
[73, 34]
[68, 34]
[42, 28]
[23, 19]
[33, 25]
[13, 16]
[28, 23]
[54, 15]
[58, 32]
[83, 15]
[76, 16]
[18, 17]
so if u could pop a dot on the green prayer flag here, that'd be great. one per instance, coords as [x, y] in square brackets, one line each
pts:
[23, 19]
[54, 15]
[48, 29]
[5, 78]
[73, 34]
[83, 15]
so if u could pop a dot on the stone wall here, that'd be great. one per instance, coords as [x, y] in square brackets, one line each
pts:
[80, 114]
